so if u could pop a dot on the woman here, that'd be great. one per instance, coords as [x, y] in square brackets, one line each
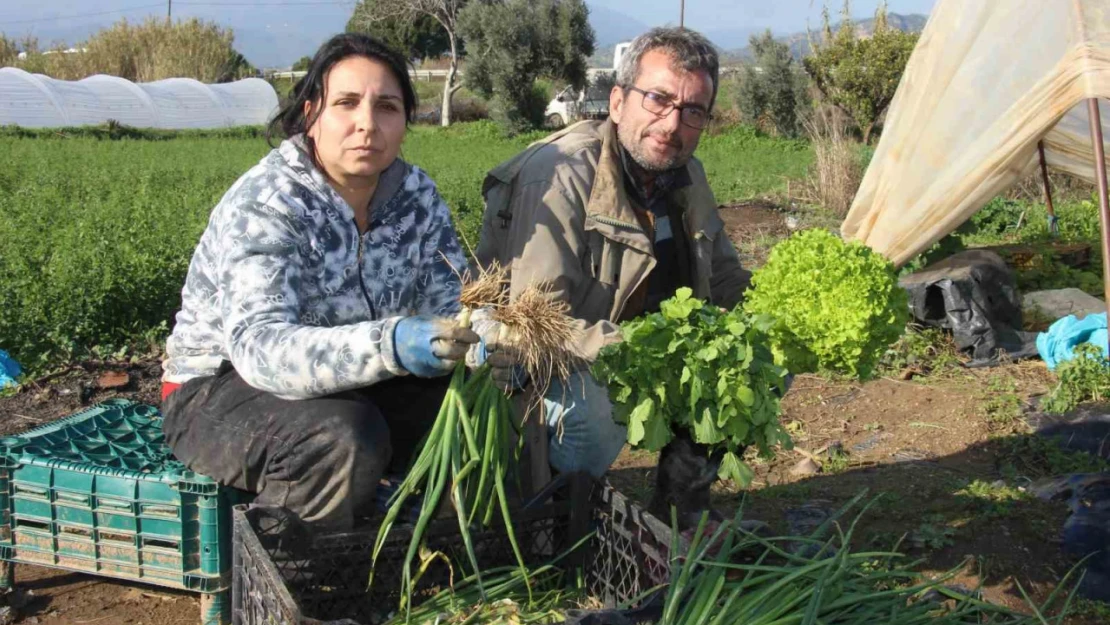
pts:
[327, 274]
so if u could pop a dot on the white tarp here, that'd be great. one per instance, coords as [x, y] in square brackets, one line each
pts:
[37, 101]
[987, 81]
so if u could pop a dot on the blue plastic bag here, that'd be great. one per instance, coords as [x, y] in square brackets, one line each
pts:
[1058, 343]
[9, 370]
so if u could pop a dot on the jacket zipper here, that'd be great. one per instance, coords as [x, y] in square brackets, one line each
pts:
[361, 283]
[609, 221]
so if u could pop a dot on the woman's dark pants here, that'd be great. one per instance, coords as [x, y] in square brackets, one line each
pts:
[320, 458]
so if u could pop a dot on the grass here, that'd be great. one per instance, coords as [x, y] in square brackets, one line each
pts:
[97, 226]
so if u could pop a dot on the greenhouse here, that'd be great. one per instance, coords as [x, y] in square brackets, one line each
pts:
[37, 101]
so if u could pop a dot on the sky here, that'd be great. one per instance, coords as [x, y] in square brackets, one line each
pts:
[273, 33]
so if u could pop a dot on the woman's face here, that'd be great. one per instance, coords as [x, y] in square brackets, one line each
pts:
[361, 123]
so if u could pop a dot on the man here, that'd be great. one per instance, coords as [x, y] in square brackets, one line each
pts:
[615, 216]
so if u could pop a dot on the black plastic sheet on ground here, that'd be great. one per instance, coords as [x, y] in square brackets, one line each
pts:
[1086, 533]
[973, 295]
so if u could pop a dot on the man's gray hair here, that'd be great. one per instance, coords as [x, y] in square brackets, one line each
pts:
[689, 49]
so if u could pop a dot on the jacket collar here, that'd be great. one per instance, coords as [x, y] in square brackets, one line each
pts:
[294, 151]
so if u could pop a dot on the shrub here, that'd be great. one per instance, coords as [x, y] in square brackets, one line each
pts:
[1086, 377]
[837, 305]
[838, 166]
[152, 50]
[511, 44]
[778, 91]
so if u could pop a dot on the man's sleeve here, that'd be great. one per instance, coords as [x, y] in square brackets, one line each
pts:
[547, 245]
[728, 279]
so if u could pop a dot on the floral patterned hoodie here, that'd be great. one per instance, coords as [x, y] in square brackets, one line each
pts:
[283, 286]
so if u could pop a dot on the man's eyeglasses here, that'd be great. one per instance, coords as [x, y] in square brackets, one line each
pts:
[691, 115]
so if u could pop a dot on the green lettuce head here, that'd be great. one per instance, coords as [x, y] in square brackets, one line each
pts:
[837, 306]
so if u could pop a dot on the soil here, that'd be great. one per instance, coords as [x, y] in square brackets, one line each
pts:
[916, 447]
[916, 443]
[751, 225]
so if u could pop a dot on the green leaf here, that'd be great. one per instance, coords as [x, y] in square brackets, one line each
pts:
[745, 395]
[705, 429]
[657, 434]
[637, 420]
[735, 469]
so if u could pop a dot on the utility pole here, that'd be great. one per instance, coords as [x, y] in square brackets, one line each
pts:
[681, 13]
[169, 10]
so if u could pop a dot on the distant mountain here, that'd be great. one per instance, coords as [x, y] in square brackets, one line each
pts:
[612, 27]
[799, 42]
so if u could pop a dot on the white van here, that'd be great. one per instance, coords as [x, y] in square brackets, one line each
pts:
[570, 105]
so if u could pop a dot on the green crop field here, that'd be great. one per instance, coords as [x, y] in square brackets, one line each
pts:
[96, 234]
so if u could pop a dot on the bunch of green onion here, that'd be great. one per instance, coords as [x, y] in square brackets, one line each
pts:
[720, 581]
[468, 452]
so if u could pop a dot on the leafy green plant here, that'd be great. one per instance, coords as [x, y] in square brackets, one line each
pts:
[1033, 456]
[926, 350]
[1001, 404]
[993, 500]
[934, 533]
[1086, 377]
[695, 367]
[837, 305]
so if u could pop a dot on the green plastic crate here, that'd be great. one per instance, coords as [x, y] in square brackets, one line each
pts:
[100, 492]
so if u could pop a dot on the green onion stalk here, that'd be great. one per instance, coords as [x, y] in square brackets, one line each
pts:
[468, 451]
[753, 580]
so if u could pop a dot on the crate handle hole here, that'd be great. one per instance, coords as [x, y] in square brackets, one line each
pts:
[33, 525]
[115, 538]
[83, 532]
[160, 543]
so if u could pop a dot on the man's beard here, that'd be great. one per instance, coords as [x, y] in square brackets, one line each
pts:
[634, 146]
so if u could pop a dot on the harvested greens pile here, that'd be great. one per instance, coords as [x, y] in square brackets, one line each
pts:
[695, 367]
[818, 304]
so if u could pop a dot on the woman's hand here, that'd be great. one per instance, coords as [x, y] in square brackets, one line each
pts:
[429, 346]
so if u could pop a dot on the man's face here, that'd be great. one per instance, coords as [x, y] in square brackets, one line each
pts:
[659, 143]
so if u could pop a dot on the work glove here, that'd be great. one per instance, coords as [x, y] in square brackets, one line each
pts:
[429, 346]
[505, 368]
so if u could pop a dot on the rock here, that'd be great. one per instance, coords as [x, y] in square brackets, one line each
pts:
[1058, 303]
[870, 442]
[804, 520]
[938, 597]
[806, 467]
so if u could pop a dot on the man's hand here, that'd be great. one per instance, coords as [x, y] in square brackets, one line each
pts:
[429, 346]
[503, 359]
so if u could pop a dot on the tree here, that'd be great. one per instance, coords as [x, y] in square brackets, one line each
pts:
[373, 13]
[510, 43]
[302, 64]
[860, 75]
[773, 88]
[422, 38]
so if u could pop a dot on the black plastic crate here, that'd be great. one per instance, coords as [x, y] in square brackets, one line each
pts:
[282, 574]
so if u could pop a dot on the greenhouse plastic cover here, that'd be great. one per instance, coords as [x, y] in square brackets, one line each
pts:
[986, 82]
[37, 101]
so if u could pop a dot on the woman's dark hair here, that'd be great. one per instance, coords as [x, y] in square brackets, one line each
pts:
[291, 119]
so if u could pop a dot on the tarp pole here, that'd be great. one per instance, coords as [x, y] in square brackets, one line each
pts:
[1103, 199]
[1047, 190]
